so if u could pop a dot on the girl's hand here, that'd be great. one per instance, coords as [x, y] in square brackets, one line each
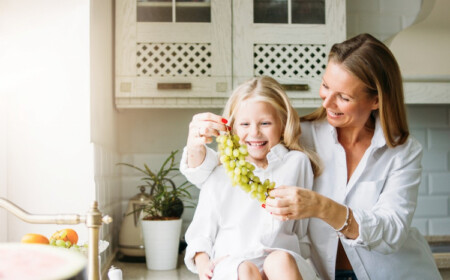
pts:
[202, 128]
[291, 202]
[206, 270]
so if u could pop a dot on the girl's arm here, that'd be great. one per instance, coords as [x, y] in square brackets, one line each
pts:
[202, 129]
[201, 234]
[198, 161]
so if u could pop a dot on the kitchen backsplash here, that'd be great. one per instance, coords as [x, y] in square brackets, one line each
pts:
[431, 126]
[108, 192]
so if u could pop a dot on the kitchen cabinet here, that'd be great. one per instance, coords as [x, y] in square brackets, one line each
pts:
[191, 54]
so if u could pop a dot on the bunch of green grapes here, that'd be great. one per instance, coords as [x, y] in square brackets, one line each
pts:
[232, 156]
[67, 244]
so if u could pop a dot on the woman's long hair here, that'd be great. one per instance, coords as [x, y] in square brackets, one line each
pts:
[373, 63]
[268, 90]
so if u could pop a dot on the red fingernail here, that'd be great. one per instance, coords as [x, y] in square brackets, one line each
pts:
[224, 121]
[263, 205]
[228, 128]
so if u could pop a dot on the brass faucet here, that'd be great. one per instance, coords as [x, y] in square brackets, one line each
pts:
[93, 220]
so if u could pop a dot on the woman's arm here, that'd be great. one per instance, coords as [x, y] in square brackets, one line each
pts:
[384, 227]
[300, 203]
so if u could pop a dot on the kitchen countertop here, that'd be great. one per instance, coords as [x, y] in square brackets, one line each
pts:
[139, 270]
[440, 243]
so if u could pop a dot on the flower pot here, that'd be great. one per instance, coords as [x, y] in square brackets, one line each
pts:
[161, 241]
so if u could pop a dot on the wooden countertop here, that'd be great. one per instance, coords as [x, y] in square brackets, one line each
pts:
[442, 259]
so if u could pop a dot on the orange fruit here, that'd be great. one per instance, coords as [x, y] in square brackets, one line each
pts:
[66, 235]
[34, 238]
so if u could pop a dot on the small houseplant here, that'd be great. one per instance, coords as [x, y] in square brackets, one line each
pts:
[161, 217]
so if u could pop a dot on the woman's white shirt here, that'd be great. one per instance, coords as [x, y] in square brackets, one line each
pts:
[228, 222]
[382, 193]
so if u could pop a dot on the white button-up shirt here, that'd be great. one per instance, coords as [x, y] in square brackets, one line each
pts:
[382, 193]
[228, 222]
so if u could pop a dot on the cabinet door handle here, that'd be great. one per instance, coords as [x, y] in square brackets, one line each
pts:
[296, 87]
[165, 86]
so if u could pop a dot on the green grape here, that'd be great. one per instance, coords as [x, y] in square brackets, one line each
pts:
[232, 156]
[60, 243]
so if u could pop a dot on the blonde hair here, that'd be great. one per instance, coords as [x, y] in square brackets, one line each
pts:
[373, 63]
[267, 89]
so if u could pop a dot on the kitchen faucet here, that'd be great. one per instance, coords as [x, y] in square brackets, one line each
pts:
[93, 220]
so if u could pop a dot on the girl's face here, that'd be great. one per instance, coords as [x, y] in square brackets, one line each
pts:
[344, 98]
[258, 126]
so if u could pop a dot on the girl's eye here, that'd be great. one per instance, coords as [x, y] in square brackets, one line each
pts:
[265, 123]
[244, 124]
[324, 85]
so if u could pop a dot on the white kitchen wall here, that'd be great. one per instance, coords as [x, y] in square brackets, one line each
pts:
[58, 125]
[431, 126]
[46, 101]
[104, 133]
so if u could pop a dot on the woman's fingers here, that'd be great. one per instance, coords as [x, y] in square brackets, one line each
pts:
[288, 202]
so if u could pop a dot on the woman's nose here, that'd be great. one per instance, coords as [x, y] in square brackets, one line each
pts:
[327, 100]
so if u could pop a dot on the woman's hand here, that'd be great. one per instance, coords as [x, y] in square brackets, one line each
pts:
[202, 128]
[291, 202]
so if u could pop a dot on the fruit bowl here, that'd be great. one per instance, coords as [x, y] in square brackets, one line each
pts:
[37, 261]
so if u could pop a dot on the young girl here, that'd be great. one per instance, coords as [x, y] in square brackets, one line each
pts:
[231, 236]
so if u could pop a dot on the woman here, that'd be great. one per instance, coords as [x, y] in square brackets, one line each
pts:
[365, 199]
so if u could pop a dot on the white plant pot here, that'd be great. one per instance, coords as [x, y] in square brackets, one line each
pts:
[161, 241]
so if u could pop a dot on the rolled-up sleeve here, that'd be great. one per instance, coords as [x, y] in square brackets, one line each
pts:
[202, 231]
[199, 174]
[384, 228]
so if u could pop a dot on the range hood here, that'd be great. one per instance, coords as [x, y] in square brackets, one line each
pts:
[423, 49]
[423, 53]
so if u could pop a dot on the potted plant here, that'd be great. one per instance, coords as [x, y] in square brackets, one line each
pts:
[161, 217]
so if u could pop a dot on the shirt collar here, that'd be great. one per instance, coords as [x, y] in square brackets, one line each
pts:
[275, 154]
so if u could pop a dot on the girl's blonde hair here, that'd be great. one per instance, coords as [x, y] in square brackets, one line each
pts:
[267, 89]
[373, 63]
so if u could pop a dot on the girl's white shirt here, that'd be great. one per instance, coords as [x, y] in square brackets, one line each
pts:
[382, 193]
[228, 222]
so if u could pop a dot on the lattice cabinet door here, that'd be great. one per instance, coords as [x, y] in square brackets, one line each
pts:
[173, 53]
[288, 40]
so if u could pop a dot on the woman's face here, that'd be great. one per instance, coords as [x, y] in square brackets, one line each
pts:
[258, 126]
[344, 98]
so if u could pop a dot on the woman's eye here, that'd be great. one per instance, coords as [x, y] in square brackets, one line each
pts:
[244, 124]
[344, 98]
[324, 85]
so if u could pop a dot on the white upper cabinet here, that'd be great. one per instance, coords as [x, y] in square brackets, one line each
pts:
[191, 54]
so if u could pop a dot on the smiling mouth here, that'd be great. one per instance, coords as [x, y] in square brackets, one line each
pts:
[256, 143]
[335, 114]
